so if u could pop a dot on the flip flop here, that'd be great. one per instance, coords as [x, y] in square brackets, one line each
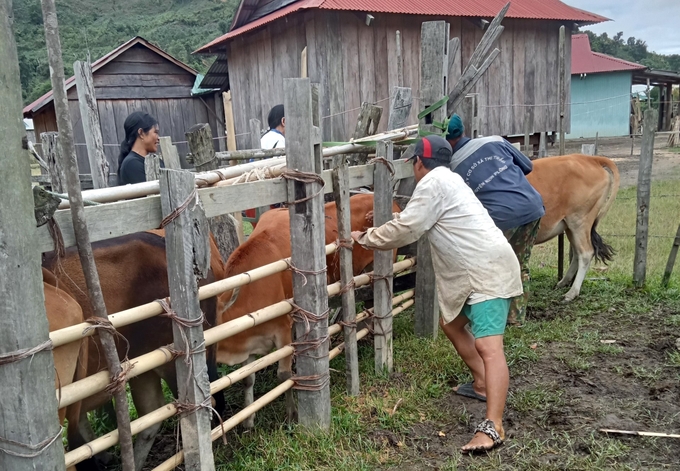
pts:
[488, 428]
[467, 390]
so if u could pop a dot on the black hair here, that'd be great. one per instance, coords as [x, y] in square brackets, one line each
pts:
[431, 164]
[275, 116]
[133, 123]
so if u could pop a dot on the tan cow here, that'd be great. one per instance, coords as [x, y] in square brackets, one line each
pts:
[578, 191]
[269, 242]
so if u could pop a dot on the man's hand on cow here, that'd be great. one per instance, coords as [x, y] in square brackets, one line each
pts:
[356, 235]
[369, 218]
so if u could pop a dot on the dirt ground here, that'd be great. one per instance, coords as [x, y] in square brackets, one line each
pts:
[666, 162]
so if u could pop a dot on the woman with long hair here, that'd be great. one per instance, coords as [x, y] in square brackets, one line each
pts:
[141, 139]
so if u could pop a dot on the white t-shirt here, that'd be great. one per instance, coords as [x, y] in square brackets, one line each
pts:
[273, 139]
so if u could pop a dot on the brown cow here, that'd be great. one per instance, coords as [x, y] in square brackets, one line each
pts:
[132, 271]
[70, 360]
[269, 242]
[578, 191]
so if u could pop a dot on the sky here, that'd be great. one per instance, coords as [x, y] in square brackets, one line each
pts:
[657, 22]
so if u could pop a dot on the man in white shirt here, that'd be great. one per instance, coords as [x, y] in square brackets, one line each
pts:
[275, 137]
[476, 273]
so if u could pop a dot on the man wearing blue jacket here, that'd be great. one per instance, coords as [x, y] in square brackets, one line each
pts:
[495, 171]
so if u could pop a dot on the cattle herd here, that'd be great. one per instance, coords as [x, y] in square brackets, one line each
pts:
[577, 191]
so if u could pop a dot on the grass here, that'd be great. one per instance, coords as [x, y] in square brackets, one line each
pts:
[618, 230]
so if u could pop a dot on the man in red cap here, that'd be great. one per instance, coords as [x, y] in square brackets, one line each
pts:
[476, 272]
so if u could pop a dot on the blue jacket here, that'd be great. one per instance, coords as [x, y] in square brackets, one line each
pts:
[496, 171]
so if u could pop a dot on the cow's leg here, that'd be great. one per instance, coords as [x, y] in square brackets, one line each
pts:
[583, 255]
[249, 394]
[285, 372]
[568, 277]
[147, 395]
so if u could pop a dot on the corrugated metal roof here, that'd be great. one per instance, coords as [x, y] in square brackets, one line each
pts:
[585, 61]
[521, 9]
[218, 73]
[101, 62]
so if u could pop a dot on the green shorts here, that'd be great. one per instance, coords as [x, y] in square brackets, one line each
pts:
[488, 317]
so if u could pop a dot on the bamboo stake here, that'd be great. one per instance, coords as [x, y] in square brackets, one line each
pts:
[96, 383]
[138, 190]
[267, 399]
[642, 434]
[129, 316]
[80, 226]
[104, 442]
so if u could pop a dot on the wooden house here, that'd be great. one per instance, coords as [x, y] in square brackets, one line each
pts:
[136, 76]
[351, 52]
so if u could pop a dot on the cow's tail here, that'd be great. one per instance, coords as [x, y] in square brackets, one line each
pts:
[603, 251]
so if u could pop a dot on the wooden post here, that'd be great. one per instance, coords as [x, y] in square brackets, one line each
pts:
[169, 154]
[588, 149]
[188, 256]
[542, 146]
[433, 70]
[643, 197]
[340, 176]
[52, 154]
[80, 228]
[223, 227]
[528, 148]
[89, 114]
[400, 61]
[367, 125]
[671, 260]
[303, 63]
[29, 410]
[563, 98]
[231, 146]
[597, 138]
[152, 167]
[309, 259]
[400, 108]
[382, 262]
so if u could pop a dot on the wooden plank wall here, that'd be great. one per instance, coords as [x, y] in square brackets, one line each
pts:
[138, 80]
[351, 61]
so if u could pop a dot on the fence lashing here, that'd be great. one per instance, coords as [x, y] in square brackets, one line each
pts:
[169, 410]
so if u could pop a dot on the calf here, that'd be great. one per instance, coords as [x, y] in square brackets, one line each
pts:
[269, 242]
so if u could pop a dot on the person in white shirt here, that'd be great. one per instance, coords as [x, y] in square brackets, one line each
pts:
[275, 138]
[476, 272]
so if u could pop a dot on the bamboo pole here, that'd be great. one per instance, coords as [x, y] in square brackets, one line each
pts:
[129, 316]
[70, 165]
[96, 383]
[104, 442]
[267, 399]
[138, 190]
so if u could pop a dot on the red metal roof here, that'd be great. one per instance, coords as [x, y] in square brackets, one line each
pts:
[101, 62]
[585, 61]
[521, 9]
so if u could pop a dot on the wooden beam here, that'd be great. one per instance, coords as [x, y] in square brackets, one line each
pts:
[643, 197]
[152, 167]
[169, 154]
[542, 146]
[671, 260]
[70, 165]
[52, 153]
[89, 114]
[29, 413]
[562, 97]
[367, 125]
[223, 227]
[188, 256]
[382, 262]
[303, 63]
[309, 259]
[400, 107]
[340, 175]
[400, 61]
[229, 121]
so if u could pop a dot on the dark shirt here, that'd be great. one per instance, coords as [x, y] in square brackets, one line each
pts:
[496, 171]
[132, 169]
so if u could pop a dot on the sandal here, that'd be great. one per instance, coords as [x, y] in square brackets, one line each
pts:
[488, 428]
[467, 390]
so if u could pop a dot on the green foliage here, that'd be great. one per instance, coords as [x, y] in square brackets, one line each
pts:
[96, 27]
[634, 50]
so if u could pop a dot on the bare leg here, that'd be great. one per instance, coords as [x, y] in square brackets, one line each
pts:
[497, 380]
[464, 343]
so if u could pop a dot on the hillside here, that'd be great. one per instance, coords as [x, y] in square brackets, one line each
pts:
[98, 26]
